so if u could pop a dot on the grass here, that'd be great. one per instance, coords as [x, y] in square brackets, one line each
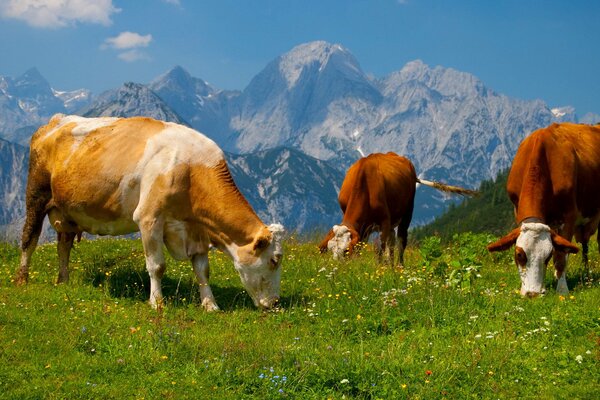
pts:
[451, 324]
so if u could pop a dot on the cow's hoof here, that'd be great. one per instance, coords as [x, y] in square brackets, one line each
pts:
[21, 278]
[157, 303]
[209, 305]
[62, 279]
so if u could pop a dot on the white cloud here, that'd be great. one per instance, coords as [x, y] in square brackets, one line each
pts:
[129, 44]
[127, 40]
[133, 55]
[174, 2]
[58, 13]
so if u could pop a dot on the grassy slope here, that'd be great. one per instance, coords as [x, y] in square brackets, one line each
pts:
[354, 329]
[491, 211]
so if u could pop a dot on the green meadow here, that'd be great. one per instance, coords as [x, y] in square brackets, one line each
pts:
[450, 324]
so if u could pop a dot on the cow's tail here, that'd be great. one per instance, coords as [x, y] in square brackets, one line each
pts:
[448, 188]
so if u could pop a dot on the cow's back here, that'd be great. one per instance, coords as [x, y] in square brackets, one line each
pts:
[100, 168]
[379, 185]
[554, 169]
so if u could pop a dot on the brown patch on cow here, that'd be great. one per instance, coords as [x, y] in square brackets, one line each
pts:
[218, 204]
[520, 256]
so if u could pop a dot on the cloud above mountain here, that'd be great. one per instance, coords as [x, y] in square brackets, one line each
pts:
[129, 43]
[58, 13]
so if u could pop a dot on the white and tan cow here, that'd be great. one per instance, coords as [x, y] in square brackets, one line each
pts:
[113, 176]
[553, 184]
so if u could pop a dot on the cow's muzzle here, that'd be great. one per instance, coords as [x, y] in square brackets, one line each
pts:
[269, 303]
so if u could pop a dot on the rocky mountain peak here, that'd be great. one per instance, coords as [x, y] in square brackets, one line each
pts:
[179, 80]
[316, 57]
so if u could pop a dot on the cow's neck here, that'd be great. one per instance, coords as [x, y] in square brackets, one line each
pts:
[219, 206]
[536, 188]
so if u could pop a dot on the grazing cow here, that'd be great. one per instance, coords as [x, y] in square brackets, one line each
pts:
[113, 176]
[553, 184]
[378, 194]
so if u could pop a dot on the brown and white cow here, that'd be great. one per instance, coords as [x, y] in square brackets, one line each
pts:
[553, 184]
[113, 176]
[378, 195]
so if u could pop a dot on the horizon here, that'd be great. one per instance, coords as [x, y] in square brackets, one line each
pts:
[524, 50]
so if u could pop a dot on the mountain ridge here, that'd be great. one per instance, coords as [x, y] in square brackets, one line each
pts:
[316, 101]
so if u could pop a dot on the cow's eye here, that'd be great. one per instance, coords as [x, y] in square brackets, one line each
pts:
[520, 256]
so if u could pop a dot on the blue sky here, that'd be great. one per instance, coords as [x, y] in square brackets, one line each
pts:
[524, 48]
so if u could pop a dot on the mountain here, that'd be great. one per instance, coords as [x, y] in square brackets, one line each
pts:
[131, 99]
[14, 163]
[590, 118]
[317, 103]
[311, 98]
[74, 100]
[285, 185]
[205, 108]
[28, 101]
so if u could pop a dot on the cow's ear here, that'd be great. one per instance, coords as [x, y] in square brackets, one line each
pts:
[262, 242]
[323, 245]
[562, 244]
[506, 242]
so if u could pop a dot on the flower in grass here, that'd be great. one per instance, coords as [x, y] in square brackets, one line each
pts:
[403, 386]
[344, 381]
[579, 359]
[428, 372]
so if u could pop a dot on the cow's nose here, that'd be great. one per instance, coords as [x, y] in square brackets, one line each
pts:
[531, 295]
[269, 303]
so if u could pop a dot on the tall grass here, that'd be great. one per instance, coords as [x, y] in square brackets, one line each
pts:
[451, 324]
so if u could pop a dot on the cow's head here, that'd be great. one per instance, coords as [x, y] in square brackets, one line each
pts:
[259, 266]
[534, 243]
[342, 239]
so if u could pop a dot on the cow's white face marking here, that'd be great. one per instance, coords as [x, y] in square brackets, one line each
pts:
[535, 242]
[340, 241]
[262, 276]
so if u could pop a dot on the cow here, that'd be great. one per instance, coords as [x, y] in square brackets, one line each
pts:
[553, 185]
[377, 195]
[115, 176]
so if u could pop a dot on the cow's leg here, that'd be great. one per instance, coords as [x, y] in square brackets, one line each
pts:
[560, 259]
[36, 202]
[584, 252]
[65, 244]
[402, 242]
[560, 266]
[403, 233]
[151, 230]
[200, 264]
[387, 242]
